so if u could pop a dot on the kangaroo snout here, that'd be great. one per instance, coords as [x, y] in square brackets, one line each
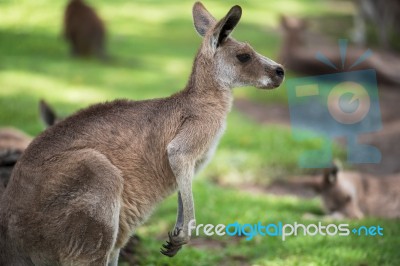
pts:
[279, 76]
[270, 75]
[274, 76]
[280, 71]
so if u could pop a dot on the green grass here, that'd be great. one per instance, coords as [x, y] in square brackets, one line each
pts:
[152, 44]
[249, 152]
[216, 205]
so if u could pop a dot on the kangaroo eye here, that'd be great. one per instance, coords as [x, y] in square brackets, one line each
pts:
[243, 58]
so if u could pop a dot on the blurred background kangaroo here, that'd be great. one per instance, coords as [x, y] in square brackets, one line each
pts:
[347, 194]
[84, 30]
[299, 55]
[13, 142]
[350, 194]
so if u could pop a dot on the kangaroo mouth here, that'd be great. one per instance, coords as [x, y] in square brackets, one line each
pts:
[268, 83]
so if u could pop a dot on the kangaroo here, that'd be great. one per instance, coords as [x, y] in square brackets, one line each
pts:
[84, 30]
[13, 142]
[354, 195]
[347, 194]
[296, 56]
[83, 186]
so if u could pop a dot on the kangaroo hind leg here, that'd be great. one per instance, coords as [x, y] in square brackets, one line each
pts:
[90, 219]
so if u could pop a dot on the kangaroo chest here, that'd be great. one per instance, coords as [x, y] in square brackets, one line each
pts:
[209, 152]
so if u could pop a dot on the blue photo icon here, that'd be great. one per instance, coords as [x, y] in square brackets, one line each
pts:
[344, 104]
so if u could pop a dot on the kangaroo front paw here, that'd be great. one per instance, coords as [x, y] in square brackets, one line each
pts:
[176, 240]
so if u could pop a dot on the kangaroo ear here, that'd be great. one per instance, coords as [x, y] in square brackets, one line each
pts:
[47, 114]
[202, 19]
[293, 23]
[330, 175]
[284, 22]
[337, 164]
[226, 25]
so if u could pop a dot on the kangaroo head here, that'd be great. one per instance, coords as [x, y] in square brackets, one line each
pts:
[233, 63]
[339, 194]
[294, 29]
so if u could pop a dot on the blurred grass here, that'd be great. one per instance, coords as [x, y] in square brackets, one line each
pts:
[152, 44]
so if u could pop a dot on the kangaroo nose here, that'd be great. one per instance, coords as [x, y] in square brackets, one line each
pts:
[280, 72]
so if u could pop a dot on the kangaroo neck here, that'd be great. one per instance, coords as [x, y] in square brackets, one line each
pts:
[205, 89]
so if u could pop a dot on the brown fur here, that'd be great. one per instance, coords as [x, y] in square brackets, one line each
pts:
[296, 56]
[84, 185]
[84, 30]
[356, 195]
[350, 194]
